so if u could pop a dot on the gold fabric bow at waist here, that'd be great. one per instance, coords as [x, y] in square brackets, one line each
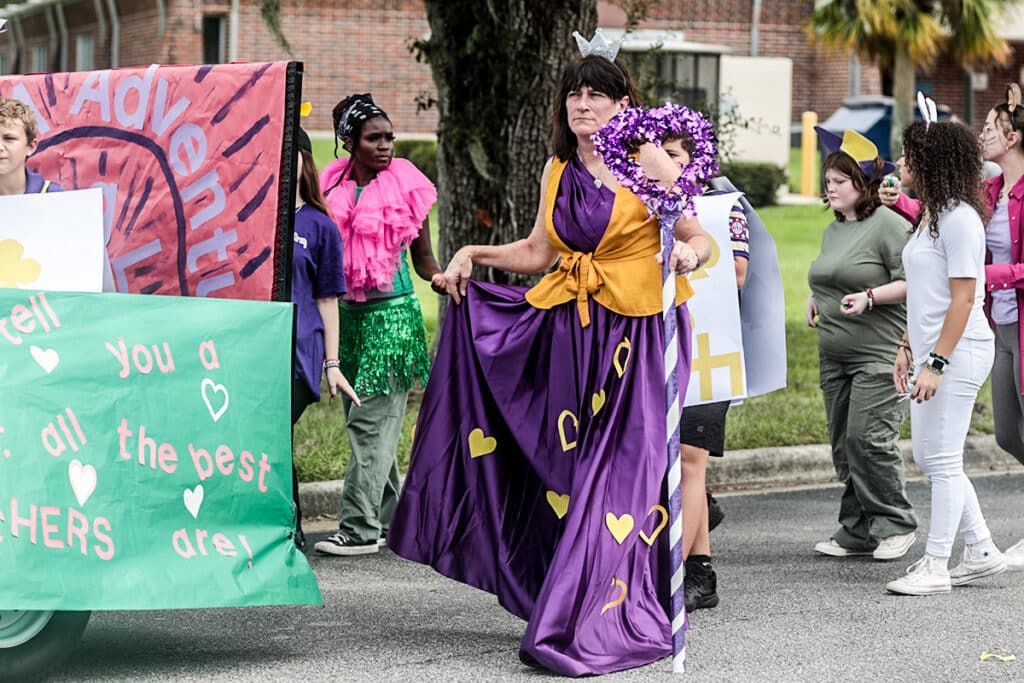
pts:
[583, 278]
[628, 286]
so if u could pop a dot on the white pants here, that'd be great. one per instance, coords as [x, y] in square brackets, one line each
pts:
[938, 430]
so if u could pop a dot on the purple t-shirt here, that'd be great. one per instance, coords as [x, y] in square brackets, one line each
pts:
[34, 183]
[316, 274]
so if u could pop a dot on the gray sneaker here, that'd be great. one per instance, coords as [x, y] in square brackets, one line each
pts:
[894, 547]
[338, 544]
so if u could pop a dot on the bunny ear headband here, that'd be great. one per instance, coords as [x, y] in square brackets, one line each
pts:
[929, 112]
[1013, 101]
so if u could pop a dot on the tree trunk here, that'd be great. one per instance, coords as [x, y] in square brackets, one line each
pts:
[904, 96]
[496, 65]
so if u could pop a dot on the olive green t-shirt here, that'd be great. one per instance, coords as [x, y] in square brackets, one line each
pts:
[856, 255]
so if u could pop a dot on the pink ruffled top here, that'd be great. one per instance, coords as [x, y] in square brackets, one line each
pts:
[376, 229]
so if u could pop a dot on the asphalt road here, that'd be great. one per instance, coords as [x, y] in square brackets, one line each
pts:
[785, 614]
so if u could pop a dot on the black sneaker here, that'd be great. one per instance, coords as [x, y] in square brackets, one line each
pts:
[715, 513]
[700, 590]
[337, 544]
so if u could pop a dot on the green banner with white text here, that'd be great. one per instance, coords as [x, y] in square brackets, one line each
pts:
[145, 453]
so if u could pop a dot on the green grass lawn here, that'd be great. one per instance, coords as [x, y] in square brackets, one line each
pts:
[794, 415]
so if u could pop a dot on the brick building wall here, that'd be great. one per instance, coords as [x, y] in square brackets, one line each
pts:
[820, 77]
[348, 47]
[947, 81]
[363, 46]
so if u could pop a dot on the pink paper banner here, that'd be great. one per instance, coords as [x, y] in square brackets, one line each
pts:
[190, 160]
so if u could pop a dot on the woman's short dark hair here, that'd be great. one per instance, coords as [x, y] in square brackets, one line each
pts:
[611, 78]
[841, 162]
[945, 161]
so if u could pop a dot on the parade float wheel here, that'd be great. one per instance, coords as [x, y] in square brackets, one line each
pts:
[33, 643]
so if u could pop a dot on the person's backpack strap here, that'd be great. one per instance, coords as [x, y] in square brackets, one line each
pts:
[46, 186]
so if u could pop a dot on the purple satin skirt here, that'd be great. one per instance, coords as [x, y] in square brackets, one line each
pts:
[537, 474]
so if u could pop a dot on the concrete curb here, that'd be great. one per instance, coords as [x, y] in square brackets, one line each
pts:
[751, 469]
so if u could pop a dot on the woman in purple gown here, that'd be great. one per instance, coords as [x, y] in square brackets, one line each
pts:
[538, 466]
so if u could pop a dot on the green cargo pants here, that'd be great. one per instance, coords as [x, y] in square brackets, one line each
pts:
[864, 418]
[370, 493]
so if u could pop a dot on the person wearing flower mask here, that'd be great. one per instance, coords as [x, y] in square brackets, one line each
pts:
[702, 429]
[537, 472]
[856, 305]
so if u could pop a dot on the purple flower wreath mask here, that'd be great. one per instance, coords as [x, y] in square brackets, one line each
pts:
[633, 127]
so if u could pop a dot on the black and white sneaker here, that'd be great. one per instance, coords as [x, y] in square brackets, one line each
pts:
[338, 544]
[383, 540]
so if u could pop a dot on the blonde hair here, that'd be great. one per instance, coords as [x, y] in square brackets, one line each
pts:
[15, 110]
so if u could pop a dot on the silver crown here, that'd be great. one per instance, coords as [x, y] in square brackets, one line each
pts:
[600, 46]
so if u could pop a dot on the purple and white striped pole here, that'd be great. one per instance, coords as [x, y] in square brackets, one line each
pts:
[677, 566]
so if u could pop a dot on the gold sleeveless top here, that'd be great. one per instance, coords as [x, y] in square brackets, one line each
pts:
[621, 274]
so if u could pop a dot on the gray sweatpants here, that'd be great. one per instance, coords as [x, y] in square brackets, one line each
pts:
[864, 418]
[371, 487]
[1007, 402]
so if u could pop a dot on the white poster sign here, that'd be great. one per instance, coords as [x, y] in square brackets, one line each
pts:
[717, 367]
[52, 241]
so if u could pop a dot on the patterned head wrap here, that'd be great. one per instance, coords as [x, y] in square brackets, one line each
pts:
[360, 109]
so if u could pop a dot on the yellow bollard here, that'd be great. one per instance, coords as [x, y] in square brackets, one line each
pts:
[808, 154]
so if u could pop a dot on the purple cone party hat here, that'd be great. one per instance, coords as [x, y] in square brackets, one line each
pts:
[862, 150]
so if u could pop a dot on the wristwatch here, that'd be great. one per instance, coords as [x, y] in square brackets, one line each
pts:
[936, 365]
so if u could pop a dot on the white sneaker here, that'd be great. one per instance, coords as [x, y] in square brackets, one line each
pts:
[894, 547]
[1015, 556]
[832, 548]
[924, 577]
[978, 562]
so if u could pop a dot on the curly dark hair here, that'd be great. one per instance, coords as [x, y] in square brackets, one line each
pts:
[842, 162]
[945, 163]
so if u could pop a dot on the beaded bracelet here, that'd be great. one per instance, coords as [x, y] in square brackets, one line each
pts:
[871, 298]
[333, 363]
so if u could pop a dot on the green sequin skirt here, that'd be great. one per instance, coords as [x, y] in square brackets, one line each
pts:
[383, 345]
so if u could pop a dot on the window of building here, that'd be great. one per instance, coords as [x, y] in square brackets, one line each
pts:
[4, 65]
[85, 51]
[213, 38]
[39, 56]
[669, 67]
[686, 78]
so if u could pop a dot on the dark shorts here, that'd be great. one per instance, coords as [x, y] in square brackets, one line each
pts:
[301, 398]
[703, 426]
